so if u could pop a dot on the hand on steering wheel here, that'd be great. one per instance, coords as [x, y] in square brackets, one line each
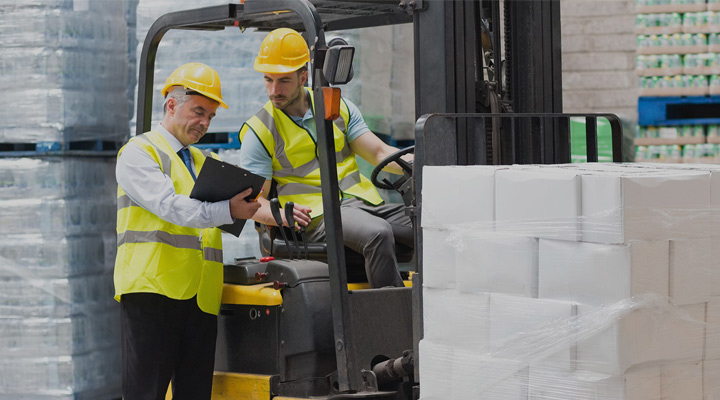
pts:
[395, 157]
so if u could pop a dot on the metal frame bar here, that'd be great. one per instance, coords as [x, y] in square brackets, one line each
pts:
[559, 123]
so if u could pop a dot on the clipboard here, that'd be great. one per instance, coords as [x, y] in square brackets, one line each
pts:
[219, 180]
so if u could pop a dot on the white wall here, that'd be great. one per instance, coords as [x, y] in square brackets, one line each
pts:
[598, 50]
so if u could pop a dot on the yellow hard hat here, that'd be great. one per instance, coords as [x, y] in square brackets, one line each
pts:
[197, 77]
[283, 50]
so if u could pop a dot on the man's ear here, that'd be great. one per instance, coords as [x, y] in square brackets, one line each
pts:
[303, 78]
[170, 105]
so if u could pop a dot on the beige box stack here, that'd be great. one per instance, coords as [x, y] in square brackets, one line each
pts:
[592, 281]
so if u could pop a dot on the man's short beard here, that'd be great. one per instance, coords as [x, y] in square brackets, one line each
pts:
[294, 100]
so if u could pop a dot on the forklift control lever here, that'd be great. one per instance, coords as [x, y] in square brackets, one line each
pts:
[290, 218]
[275, 211]
[277, 285]
[260, 276]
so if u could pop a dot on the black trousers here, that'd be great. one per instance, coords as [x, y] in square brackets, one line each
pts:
[163, 340]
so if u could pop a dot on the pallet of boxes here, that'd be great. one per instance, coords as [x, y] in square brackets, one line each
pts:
[578, 281]
[64, 72]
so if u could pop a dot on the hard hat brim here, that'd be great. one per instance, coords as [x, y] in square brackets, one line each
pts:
[275, 68]
[164, 92]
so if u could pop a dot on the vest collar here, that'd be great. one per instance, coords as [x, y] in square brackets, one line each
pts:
[169, 137]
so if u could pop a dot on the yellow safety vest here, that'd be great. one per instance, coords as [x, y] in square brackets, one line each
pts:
[156, 256]
[295, 163]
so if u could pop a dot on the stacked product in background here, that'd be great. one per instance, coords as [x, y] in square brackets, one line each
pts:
[230, 52]
[65, 73]
[677, 62]
[578, 281]
[66, 65]
[59, 324]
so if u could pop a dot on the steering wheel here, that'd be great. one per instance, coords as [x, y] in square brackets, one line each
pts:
[406, 167]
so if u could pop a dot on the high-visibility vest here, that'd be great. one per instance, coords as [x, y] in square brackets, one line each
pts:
[156, 256]
[295, 163]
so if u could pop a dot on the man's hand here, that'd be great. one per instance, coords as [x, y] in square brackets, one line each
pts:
[301, 214]
[241, 208]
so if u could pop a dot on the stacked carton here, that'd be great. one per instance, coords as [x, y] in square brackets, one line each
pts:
[65, 74]
[569, 282]
[59, 325]
[64, 71]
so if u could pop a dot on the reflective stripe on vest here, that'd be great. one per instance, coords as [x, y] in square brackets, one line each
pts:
[156, 256]
[296, 166]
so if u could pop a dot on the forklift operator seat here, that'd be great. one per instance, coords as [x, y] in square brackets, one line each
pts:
[272, 244]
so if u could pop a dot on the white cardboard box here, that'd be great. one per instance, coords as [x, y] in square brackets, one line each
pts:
[713, 169]
[498, 263]
[598, 274]
[439, 252]
[690, 274]
[682, 380]
[531, 330]
[451, 317]
[711, 379]
[476, 375]
[436, 371]
[458, 195]
[712, 329]
[624, 207]
[715, 265]
[645, 335]
[550, 384]
[534, 202]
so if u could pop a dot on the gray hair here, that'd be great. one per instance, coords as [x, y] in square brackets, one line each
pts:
[177, 93]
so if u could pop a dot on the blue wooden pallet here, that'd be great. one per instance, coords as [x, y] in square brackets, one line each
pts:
[53, 148]
[686, 110]
[219, 140]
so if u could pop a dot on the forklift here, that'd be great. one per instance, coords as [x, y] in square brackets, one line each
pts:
[300, 322]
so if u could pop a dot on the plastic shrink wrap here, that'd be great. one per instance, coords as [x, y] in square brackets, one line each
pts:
[571, 282]
[59, 324]
[64, 70]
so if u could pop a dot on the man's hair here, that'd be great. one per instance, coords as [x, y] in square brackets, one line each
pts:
[179, 94]
[302, 69]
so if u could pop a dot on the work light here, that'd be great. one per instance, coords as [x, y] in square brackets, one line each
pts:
[337, 68]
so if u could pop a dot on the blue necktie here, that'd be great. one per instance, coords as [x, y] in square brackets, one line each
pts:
[187, 159]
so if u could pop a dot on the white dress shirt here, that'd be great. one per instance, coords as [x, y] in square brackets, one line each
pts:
[144, 182]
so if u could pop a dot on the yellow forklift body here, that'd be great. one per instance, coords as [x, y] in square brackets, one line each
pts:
[365, 285]
[287, 398]
[234, 386]
[259, 295]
